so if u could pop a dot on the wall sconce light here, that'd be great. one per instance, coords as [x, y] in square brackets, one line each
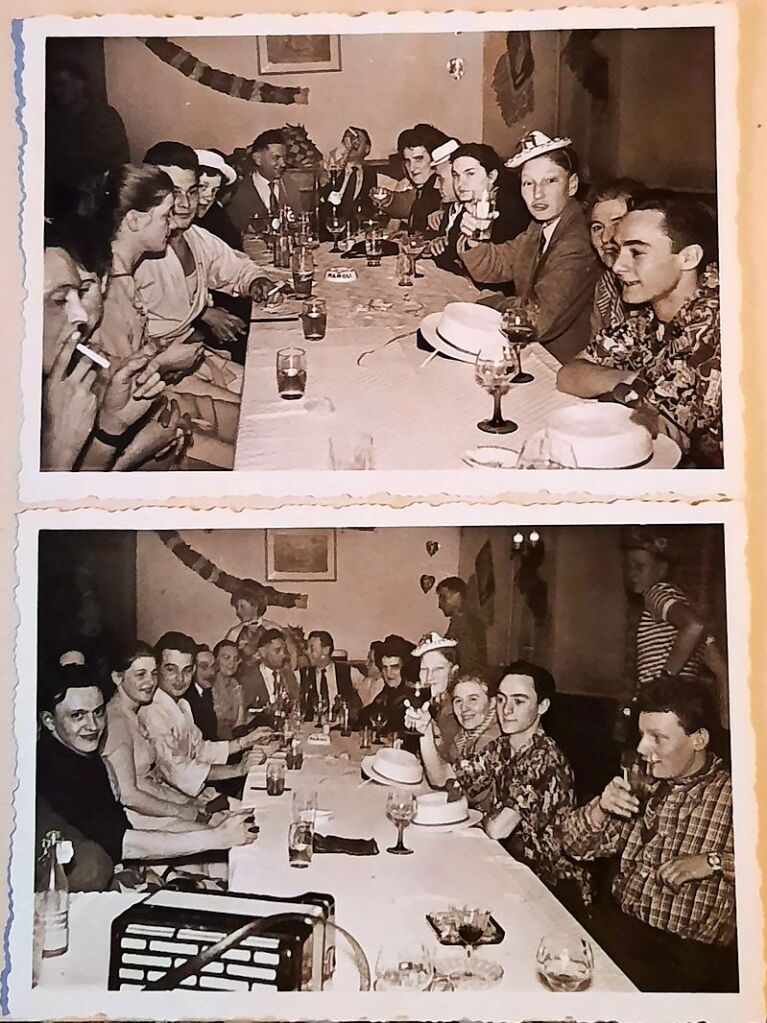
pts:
[526, 542]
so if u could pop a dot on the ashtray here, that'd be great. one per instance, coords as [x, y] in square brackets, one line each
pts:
[445, 926]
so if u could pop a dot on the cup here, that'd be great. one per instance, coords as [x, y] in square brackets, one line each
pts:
[294, 759]
[352, 450]
[365, 736]
[565, 964]
[305, 805]
[300, 843]
[314, 319]
[282, 249]
[374, 246]
[291, 373]
[404, 270]
[275, 778]
[302, 265]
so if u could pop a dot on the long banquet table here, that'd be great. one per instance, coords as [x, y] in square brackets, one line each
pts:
[369, 368]
[379, 899]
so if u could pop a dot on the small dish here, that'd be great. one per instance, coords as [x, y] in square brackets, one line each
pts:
[491, 456]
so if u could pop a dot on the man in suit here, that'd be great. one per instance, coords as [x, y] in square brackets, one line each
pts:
[264, 672]
[326, 681]
[466, 628]
[352, 189]
[552, 262]
[260, 195]
[199, 695]
[415, 146]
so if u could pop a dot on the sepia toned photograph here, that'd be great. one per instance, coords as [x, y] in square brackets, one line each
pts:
[511, 263]
[468, 764]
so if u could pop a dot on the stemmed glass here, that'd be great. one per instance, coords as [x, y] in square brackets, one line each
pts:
[520, 325]
[335, 222]
[476, 973]
[414, 244]
[381, 198]
[400, 809]
[492, 372]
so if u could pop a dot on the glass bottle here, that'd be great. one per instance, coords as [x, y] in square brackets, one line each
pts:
[52, 894]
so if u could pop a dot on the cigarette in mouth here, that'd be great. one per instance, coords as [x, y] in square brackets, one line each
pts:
[93, 356]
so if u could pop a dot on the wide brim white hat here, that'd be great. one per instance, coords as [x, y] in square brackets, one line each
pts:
[536, 143]
[369, 768]
[462, 329]
[210, 159]
[433, 642]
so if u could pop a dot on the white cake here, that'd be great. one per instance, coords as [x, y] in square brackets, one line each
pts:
[434, 809]
[601, 436]
[397, 765]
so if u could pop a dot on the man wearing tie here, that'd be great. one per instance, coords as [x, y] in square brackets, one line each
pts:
[352, 193]
[199, 695]
[326, 681]
[269, 676]
[260, 195]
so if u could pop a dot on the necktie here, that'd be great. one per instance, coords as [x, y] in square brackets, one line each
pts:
[274, 203]
[351, 184]
[324, 693]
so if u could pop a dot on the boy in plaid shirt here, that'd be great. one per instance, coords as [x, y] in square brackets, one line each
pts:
[669, 921]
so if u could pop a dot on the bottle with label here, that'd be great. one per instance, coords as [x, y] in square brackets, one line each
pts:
[52, 894]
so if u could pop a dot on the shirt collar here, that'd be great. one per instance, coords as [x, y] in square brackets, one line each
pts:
[548, 230]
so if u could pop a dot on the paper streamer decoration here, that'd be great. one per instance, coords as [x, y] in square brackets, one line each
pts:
[432, 546]
[427, 581]
[231, 85]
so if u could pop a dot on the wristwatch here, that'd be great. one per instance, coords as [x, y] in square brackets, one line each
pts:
[714, 861]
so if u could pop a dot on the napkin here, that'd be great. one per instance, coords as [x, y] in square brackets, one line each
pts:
[350, 846]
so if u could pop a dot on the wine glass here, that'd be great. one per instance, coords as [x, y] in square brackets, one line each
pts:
[400, 809]
[381, 197]
[476, 973]
[406, 966]
[520, 325]
[414, 244]
[335, 222]
[638, 773]
[492, 372]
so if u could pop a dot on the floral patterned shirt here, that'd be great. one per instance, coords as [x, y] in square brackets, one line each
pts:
[678, 364]
[537, 782]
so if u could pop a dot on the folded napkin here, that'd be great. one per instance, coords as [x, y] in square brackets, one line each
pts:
[350, 846]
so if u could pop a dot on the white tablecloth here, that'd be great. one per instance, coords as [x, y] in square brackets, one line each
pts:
[420, 416]
[379, 899]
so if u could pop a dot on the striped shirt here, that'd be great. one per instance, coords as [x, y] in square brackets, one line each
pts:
[656, 635]
[689, 816]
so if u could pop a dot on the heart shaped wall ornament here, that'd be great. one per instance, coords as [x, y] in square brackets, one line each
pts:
[427, 581]
[432, 546]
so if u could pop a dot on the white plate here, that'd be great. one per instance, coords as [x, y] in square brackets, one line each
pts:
[666, 455]
[370, 771]
[475, 816]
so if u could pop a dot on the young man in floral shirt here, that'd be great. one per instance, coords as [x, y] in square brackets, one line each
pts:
[665, 358]
[669, 919]
[532, 782]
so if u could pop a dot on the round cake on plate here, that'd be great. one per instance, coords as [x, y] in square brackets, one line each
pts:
[601, 436]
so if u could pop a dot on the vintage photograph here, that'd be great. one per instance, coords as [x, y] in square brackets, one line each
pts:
[481, 760]
[510, 262]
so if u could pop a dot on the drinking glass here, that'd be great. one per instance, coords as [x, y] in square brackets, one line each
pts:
[637, 772]
[302, 265]
[294, 760]
[400, 809]
[404, 269]
[381, 198]
[305, 805]
[275, 778]
[374, 246]
[351, 450]
[347, 239]
[476, 973]
[291, 373]
[335, 222]
[314, 319]
[493, 373]
[565, 964]
[300, 842]
[406, 966]
[378, 720]
[414, 244]
[542, 451]
[520, 325]
[365, 737]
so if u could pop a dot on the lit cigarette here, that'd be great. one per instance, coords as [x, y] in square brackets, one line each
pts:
[275, 289]
[93, 356]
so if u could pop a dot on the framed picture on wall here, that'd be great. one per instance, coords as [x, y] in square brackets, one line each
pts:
[298, 55]
[297, 555]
